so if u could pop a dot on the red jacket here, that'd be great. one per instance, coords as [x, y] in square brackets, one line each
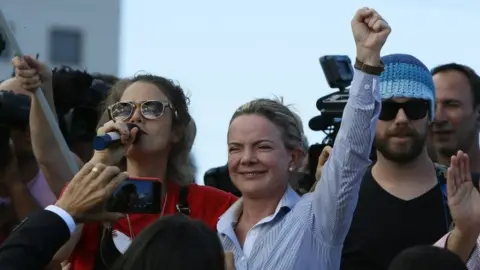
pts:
[206, 204]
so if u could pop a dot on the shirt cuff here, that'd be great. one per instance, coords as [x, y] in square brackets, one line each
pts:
[365, 88]
[67, 218]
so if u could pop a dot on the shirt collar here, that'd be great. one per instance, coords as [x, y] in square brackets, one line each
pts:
[230, 217]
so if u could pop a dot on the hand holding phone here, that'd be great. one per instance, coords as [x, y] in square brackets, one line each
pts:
[136, 195]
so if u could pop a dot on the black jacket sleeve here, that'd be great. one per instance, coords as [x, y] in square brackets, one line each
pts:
[34, 242]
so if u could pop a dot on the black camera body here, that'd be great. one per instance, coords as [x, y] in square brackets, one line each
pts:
[14, 113]
[219, 177]
[78, 97]
[338, 71]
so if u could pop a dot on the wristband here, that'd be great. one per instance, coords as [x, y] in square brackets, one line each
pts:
[372, 70]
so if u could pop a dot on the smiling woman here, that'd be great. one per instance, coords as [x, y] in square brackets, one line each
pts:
[271, 226]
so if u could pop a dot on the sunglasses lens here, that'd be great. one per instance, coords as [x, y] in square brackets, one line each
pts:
[389, 111]
[152, 109]
[415, 109]
[121, 111]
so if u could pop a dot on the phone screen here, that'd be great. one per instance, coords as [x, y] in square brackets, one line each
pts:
[136, 196]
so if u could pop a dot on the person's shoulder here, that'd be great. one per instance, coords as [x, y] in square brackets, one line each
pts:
[208, 203]
[210, 193]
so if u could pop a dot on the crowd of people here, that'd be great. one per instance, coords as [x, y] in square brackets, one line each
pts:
[416, 206]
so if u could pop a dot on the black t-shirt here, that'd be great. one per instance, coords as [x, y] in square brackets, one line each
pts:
[384, 225]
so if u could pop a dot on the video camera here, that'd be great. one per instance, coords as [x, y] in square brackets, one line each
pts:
[338, 71]
[14, 113]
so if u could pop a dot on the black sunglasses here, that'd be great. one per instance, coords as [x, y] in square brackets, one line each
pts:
[150, 109]
[414, 109]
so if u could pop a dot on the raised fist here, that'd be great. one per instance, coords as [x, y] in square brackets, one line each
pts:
[370, 32]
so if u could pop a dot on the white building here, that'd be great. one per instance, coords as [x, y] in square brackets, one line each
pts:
[80, 34]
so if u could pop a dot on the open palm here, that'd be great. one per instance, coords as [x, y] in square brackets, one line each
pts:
[463, 197]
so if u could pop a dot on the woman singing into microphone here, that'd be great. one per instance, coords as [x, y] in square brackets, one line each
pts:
[159, 108]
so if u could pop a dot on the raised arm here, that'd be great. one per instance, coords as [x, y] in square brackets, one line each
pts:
[34, 74]
[336, 194]
[464, 204]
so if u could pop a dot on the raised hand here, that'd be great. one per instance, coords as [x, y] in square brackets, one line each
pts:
[32, 73]
[370, 32]
[86, 194]
[463, 197]
[322, 159]
[113, 156]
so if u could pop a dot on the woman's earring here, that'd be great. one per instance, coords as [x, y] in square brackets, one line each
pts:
[290, 169]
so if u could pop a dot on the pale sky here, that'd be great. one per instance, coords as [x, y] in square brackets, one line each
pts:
[225, 53]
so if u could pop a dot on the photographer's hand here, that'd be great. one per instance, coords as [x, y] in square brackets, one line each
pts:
[84, 197]
[370, 32]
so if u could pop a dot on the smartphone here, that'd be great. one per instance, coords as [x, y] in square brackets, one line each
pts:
[136, 196]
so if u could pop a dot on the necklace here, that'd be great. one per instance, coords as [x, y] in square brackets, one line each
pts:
[132, 235]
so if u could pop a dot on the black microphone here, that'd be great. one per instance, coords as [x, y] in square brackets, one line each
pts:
[102, 142]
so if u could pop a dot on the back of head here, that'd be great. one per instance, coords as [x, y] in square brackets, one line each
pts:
[70, 88]
[108, 79]
[172, 243]
[427, 257]
[12, 84]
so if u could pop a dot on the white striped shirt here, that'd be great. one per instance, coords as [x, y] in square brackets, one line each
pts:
[310, 233]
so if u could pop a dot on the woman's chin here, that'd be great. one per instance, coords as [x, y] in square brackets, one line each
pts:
[253, 188]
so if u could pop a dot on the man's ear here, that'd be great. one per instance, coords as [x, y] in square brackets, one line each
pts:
[477, 115]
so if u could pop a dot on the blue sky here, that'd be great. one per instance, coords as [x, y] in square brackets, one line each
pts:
[225, 53]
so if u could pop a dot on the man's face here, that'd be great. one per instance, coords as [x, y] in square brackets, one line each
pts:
[402, 129]
[455, 124]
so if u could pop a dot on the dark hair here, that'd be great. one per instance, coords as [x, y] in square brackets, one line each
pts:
[427, 257]
[78, 90]
[172, 243]
[108, 79]
[69, 88]
[472, 77]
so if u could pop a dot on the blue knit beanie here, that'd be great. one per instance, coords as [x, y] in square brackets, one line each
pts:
[407, 77]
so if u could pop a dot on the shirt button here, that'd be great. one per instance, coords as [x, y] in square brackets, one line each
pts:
[367, 86]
